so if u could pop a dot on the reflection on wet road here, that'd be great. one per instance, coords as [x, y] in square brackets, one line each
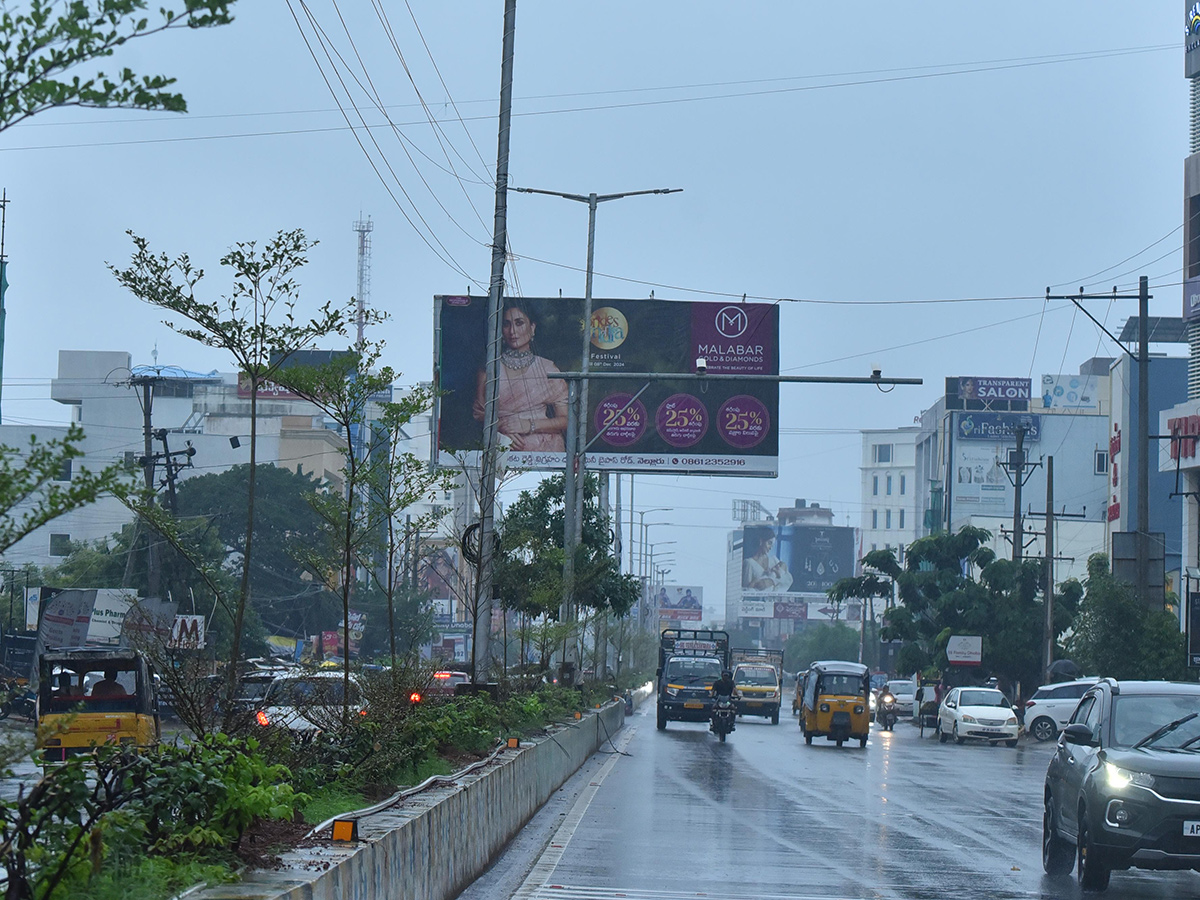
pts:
[766, 816]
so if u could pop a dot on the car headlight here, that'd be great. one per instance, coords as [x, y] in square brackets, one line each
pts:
[970, 719]
[774, 695]
[672, 692]
[1119, 778]
[1012, 720]
[824, 707]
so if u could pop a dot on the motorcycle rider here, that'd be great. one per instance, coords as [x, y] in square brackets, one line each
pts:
[723, 687]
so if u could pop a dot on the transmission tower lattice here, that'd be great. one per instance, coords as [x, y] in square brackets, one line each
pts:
[364, 229]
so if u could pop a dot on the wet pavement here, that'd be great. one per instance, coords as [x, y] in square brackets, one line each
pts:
[678, 814]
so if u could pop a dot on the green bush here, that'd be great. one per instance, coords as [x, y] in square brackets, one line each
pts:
[206, 793]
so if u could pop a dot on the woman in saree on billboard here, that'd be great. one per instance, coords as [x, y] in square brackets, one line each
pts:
[531, 408]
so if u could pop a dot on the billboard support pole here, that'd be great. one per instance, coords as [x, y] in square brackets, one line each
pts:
[482, 619]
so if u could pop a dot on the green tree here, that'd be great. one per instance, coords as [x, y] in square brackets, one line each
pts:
[820, 640]
[42, 44]
[377, 485]
[257, 324]
[1116, 635]
[941, 596]
[283, 525]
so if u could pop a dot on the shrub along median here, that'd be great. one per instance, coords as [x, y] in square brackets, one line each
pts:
[145, 825]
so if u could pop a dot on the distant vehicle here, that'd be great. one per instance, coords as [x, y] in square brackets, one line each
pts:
[757, 679]
[445, 682]
[88, 697]
[905, 693]
[981, 713]
[689, 662]
[309, 702]
[1121, 787]
[1049, 709]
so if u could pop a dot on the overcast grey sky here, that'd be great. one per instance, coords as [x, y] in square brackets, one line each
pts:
[846, 159]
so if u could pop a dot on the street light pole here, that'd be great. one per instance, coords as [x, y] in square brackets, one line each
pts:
[641, 569]
[573, 476]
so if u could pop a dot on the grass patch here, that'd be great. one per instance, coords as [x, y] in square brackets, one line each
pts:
[151, 878]
[332, 800]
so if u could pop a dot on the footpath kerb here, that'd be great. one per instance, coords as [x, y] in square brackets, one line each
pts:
[434, 843]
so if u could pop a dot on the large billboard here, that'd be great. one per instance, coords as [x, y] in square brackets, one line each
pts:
[678, 603]
[782, 561]
[678, 426]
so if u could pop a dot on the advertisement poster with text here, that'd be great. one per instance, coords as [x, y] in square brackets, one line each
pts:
[633, 425]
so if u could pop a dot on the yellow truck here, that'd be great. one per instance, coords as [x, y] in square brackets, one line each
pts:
[758, 682]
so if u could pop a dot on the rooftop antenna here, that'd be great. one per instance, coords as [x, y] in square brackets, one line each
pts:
[364, 229]
[154, 354]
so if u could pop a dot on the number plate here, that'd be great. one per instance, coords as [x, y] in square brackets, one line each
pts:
[993, 731]
[754, 703]
[1191, 829]
[693, 704]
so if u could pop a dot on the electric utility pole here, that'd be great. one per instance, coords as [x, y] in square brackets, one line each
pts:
[482, 619]
[1018, 471]
[1142, 438]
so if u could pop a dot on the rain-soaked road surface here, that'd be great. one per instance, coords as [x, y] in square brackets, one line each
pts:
[678, 814]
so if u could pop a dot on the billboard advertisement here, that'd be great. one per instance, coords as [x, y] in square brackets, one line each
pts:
[994, 426]
[679, 602]
[685, 426]
[780, 561]
[971, 387]
[1070, 392]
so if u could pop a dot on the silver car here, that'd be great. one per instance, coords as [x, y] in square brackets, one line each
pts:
[905, 693]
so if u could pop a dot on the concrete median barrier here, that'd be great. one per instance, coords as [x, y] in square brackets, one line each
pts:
[431, 845]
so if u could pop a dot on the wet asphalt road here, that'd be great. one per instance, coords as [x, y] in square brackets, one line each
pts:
[678, 814]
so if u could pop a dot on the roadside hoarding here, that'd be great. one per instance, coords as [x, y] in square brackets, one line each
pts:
[679, 603]
[971, 387]
[685, 426]
[1070, 392]
[793, 559]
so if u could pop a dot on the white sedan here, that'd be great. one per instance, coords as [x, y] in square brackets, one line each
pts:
[982, 713]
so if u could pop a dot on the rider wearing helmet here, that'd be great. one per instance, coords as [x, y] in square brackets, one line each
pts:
[724, 686]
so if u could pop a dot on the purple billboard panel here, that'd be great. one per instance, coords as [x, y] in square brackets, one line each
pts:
[728, 427]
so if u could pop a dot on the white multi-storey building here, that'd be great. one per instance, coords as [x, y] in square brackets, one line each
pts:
[889, 494]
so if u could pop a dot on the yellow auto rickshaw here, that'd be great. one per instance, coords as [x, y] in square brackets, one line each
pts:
[88, 696]
[835, 702]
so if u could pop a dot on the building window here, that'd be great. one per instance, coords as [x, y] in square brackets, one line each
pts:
[1101, 462]
[882, 453]
[901, 518]
[901, 485]
[874, 547]
[900, 553]
[60, 545]
[875, 485]
[874, 518]
[889, 485]
[887, 518]
[64, 473]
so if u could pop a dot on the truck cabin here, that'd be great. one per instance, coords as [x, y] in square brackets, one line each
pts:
[690, 670]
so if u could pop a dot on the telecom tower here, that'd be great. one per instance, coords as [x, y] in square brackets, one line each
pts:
[364, 229]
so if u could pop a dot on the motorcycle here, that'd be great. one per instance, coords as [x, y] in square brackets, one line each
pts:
[886, 714]
[723, 715]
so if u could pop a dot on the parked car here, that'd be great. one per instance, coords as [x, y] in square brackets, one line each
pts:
[1121, 789]
[444, 683]
[977, 712]
[905, 693]
[308, 702]
[1049, 709]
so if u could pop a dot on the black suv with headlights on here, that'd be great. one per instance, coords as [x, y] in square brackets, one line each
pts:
[1123, 786]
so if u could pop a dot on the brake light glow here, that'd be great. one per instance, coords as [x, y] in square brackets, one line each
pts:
[414, 697]
[261, 718]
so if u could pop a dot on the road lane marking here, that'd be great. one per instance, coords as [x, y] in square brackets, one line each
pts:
[579, 892]
[539, 876]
